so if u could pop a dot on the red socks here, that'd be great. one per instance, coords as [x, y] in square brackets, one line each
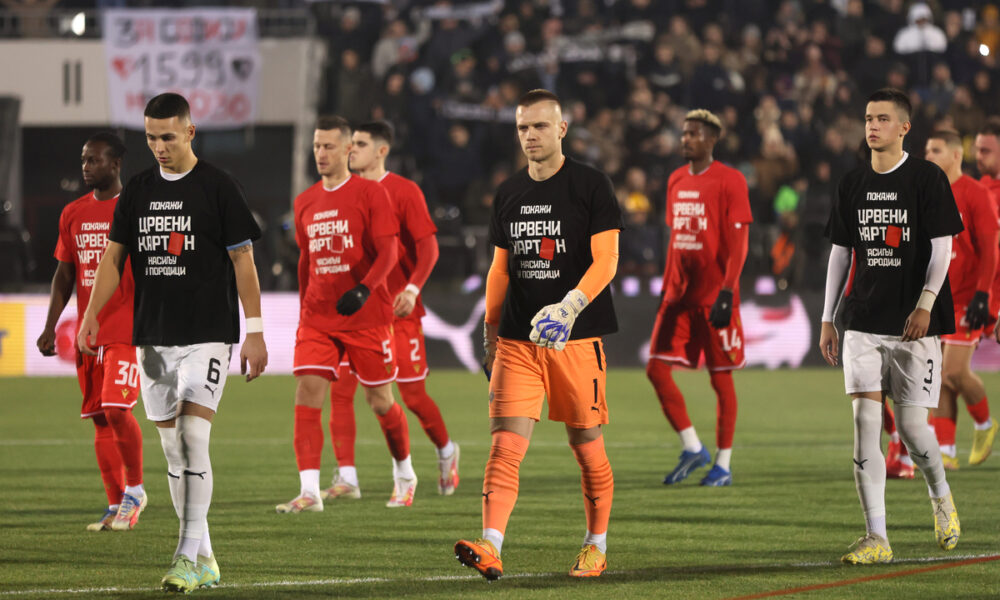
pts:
[396, 431]
[944, 429]
[308, 437]
[416, 399]
[343, 431]
[500, 483]
[598, 483]
[128, 441]
[980, 411]
[725, 423]
[108, 460]
[888, 419]
[671, 399]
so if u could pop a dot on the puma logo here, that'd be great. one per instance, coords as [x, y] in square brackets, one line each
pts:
[486, 495]
[861, 465]
[171, 475]
[210, 390]
[201, 475]
[595, 408]
[923, 456]
[592, 500]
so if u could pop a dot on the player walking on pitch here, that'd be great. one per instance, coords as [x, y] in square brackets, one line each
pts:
[898, 215]
[186, 229]
[555, 230]
[347, 235]
[109, 381]
[971, 275]
[418, 251]
[708, 212]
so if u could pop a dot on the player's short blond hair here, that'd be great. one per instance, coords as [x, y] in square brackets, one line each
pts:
[707, 117]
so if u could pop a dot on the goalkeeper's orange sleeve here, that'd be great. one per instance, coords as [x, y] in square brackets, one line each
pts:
[604, 249]
[496, 286]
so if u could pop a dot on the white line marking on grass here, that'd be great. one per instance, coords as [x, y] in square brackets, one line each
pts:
[362, 580]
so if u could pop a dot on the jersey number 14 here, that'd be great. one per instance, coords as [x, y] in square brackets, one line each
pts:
[730, 342]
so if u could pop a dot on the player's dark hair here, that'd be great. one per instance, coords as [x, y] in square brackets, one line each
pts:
[379, 130]
[331, 122]
[990, 127]
[948, 136]
[166, 106]
[114, 145]
[897, 97]
[539, 95]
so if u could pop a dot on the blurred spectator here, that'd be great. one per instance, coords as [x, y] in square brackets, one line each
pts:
[354, 84]
[776, 164]
[965, 114]
[939, 92]
[639, 248]
[988, 28]
[920, 41]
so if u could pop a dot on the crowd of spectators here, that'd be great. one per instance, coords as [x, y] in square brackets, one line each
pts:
[788, 78]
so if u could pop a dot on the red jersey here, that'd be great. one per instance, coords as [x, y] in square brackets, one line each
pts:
[700, 209]
[336, 231]
[993, 185]
[414, 224]
[83, 235]
[979, 215]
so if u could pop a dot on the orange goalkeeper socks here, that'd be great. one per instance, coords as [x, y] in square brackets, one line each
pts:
[500, 482]
[598, 483]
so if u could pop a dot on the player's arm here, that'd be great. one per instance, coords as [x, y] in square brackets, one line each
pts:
[61, 291]
[985, 239]
[427, 256]
[937, 269]
[553, 325]
[738, 242]
[106, 280]
[303, 268]
[836, 274]
[386, 255]
[497, 281]
[254, 351]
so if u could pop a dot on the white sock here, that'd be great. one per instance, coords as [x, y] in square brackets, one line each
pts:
[949, 450]
[136, 491]
[403, 469]
[494, 537]
[309, 483]
[984, 426]
[205, 547]
[349, 475]
[894, 436]
[869, 463]
[194, 433]
[722, 458]
[689, 439]
[923, 448]
[175, 467]
[598, 539]
[446, 451]
[905, 460]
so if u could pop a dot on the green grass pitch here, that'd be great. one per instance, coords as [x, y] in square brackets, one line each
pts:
[790, 514]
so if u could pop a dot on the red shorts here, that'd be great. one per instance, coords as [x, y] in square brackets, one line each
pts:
[964, 336]
[108, 380]
[680, 335]
[573, 380]
[411, 355]
[368, 352]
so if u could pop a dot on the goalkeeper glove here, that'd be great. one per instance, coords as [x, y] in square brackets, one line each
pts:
[978, 311]
[552, 325]
[352, 300]
[722, 310]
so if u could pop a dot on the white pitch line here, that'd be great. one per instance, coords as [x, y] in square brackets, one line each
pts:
[362, 580]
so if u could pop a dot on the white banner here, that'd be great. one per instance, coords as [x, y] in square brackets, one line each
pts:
[208, 55]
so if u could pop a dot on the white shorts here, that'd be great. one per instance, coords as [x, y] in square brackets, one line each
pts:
[909, 372]
[169, 375]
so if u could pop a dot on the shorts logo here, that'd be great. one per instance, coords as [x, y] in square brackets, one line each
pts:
[416, 368]
[547, 249]
[388, 370]
[124, 394]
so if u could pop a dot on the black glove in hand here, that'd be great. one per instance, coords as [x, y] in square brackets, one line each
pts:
[352, 300]
[722, 310]
[978, 311]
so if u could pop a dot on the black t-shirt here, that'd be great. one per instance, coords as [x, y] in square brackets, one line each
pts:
[177, 234]
[546, 227]
[889, 220]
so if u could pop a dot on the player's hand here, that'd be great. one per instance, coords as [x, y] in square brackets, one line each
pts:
[916, 325]
[353, 299]
[489, 348]
[978, 311]
[47, 342]
[404, 304]
[87, 334]
[722, 311]
[829, 342]
[552, 325]
[253, 353]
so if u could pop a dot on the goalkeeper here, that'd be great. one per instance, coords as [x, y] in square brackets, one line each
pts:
[555, 230]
